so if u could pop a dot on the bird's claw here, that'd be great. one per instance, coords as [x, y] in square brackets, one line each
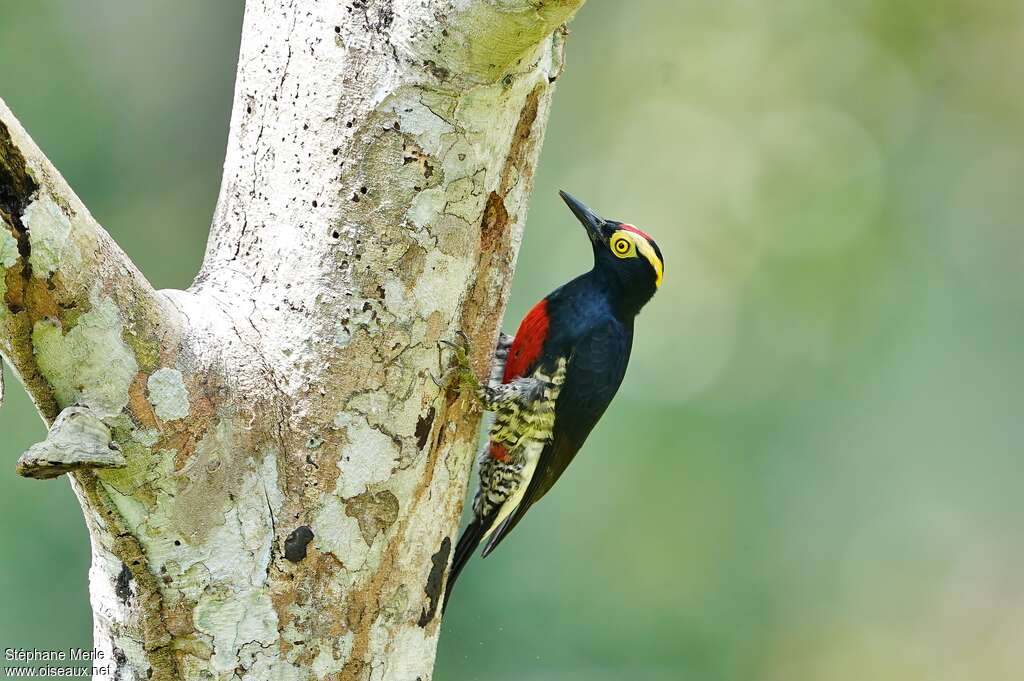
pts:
[461, 348]
[462, 374]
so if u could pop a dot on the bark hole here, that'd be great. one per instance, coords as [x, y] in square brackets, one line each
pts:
[119, 660]
[494, 223]
[435, 580]
[16, 190]
[16, 185]
[423, 426]
[296, 543]
[123, 584]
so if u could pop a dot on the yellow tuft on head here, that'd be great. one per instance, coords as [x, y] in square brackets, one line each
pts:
[629, 244]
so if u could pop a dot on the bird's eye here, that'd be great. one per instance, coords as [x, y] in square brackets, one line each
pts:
[623, 246]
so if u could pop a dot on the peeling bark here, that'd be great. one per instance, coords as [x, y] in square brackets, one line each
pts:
[291, 476]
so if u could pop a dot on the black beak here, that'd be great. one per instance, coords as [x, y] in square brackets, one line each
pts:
[591, 222]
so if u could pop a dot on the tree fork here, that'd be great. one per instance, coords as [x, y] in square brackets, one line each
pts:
[291, 477]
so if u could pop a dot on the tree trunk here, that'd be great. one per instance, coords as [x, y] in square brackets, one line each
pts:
[291, 476]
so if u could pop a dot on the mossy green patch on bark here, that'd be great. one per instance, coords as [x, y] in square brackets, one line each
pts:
[48, 231]
[8, 257]
[90, 364]
[8, 247]
[133, 478]
[486, 40]
[147, 353]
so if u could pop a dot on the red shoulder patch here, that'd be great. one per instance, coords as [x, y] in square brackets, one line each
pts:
[498, 451]
[635, 230]
[530, 337]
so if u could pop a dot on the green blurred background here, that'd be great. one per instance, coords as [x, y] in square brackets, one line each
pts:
[813, 469]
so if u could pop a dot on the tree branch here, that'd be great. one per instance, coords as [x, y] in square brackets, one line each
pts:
[292, 478]
[75, 308]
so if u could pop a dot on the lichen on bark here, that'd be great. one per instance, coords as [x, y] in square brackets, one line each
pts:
[292, 475]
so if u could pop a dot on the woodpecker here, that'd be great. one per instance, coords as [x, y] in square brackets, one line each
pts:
[549, 385]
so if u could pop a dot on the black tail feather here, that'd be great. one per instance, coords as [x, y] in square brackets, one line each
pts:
[468, 542]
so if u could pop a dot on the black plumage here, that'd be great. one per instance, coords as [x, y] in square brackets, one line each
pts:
[567, 359]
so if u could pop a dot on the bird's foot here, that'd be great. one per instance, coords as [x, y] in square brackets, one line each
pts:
[460, 376]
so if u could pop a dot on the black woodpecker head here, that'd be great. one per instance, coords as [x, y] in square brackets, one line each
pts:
[626, 260]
